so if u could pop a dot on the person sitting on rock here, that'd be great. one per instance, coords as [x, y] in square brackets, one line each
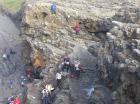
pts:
[53, 8]
[77, 28]
[66, 64]
[58, 78]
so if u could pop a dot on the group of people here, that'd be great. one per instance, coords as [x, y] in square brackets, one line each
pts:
[47, 94]
[14, 100]
[77, 26]
[73, 70]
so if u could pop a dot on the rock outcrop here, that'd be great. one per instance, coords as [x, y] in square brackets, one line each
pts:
[113, 40]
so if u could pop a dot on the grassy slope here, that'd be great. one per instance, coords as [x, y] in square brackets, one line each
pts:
[12, 5]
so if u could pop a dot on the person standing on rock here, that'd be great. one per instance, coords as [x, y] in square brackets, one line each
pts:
[67, 17]
[53, 8]
[77, 69]
[72, 71]
[77, 28]
[45, 97]
[58, 78]
[66, 64]
[29, 73]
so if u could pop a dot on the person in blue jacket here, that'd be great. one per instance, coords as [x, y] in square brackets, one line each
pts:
[53, 8]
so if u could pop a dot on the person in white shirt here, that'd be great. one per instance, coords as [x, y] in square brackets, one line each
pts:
[77, 69]
[58, 79]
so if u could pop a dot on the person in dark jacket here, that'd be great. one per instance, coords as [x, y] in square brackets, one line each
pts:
[53, 8]
[72, 71]
[66, 64]
[45, 100]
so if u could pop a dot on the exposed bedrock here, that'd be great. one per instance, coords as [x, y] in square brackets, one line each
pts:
[111, 43]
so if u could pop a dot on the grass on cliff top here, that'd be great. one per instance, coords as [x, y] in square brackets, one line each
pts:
[12, 5]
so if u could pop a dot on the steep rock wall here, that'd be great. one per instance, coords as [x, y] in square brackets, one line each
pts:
[113, 39]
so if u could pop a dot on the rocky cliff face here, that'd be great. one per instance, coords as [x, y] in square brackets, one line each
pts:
[109, 31]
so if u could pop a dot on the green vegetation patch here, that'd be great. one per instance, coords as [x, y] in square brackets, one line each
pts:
[13, 5]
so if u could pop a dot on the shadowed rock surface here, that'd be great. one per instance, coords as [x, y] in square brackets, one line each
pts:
[12, 68]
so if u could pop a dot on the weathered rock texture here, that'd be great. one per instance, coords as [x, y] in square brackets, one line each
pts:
[109, 30]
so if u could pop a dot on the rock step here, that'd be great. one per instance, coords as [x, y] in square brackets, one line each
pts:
[56, 51]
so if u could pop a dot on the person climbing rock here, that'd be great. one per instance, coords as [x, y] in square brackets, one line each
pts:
[66, 64]
[53, 8]
[77, 69]
[58, 78]
[77, 28]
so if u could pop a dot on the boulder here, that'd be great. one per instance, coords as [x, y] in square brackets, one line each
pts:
[136, 53]
[102, 25]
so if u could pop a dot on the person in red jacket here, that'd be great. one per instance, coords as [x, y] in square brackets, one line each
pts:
[17, 100]
[77, 28]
